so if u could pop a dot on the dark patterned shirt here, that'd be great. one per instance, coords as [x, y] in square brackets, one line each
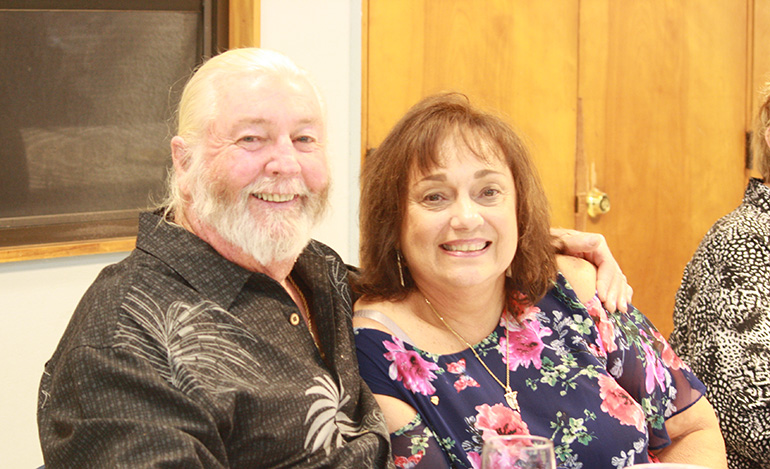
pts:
[176, 357]
[722, 325]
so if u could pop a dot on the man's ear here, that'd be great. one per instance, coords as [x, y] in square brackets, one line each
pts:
[180, 155]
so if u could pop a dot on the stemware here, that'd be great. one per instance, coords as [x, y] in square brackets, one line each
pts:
[665, 465]
[518, 452]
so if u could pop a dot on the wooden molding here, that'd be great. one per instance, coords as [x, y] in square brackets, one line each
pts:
[45, 251]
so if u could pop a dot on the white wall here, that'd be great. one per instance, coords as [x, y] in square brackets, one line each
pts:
[36, 300]
[324, 38]
[38, 297]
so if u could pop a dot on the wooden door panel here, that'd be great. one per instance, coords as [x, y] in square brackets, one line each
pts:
[516, 57]
[662, 87]
[663, 91]
[760, 73]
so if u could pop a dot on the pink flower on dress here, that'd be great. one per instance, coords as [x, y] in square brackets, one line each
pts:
[670, 359]
[499, 420]
[407, 463]
[619, 404]
[410, 368]
[603, 324]
[654, 372]
[526, 343]
[463, 381]
[475, 459]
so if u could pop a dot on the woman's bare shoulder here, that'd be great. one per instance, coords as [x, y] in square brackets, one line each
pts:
[580, 274]
[388, 308]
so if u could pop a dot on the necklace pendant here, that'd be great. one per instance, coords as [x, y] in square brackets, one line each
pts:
[510, 398]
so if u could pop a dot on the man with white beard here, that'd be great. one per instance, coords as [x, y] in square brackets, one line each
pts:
[224, 339]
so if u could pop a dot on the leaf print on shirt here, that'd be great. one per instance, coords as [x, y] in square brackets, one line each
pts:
[565, 431]
[329, 424]
[627, 458]
[410, 368]
[190, 346]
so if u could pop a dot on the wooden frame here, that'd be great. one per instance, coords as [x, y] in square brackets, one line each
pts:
[104, 230]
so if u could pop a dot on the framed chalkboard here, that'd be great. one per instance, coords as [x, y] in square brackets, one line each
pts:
[87, 92]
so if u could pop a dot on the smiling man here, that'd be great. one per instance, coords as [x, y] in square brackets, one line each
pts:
[224, 339]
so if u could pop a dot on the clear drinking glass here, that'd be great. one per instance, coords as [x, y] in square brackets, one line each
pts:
[666, 465]
[519, 452]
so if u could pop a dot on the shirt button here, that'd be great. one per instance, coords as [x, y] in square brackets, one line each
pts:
[294, 319]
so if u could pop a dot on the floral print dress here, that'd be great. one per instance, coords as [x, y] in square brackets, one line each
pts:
[599, 385]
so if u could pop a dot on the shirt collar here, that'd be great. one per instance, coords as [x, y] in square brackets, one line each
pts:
[758, 194]
[193, 259]
[202, 266]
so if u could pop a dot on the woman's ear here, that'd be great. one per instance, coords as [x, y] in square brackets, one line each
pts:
[767, 136]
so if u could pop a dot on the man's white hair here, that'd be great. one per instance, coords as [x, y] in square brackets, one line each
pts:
[199, 102]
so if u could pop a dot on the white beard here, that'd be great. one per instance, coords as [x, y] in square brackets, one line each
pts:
[274, 236]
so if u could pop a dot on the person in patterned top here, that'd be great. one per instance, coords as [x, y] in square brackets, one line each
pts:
[722, 314]
[470, 326]
[224, 339]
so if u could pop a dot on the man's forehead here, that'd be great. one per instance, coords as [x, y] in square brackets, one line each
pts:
[268, 100]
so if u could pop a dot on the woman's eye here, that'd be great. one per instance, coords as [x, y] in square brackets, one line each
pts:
[490, 192]
[433, 198]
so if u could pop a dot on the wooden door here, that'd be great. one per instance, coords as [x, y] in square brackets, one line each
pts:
[661, 89]
[760, 67]
[515, 57]
[663, 92]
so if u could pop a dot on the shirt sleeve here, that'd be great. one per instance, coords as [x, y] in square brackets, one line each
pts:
[415, 445]
[104, 408]
[726, 303]
[644, 364]
[373, 366]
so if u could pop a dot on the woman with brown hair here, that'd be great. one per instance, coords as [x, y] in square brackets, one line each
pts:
[471, 326]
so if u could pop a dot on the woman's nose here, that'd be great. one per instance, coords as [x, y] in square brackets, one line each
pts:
[466, 215]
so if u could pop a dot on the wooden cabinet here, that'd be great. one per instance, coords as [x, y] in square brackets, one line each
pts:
[647, 101]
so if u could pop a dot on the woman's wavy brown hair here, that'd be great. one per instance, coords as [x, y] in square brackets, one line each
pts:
[414, 145]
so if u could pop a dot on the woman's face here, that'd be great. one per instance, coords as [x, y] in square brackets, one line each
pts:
[460, 226]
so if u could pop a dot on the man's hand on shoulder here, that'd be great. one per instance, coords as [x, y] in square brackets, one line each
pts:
[611, 285]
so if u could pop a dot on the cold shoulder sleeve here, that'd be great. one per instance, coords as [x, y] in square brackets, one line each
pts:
[644, 365]
[413, 445]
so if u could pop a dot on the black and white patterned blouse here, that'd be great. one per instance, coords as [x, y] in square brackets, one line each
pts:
[722, 325]
[177, 357]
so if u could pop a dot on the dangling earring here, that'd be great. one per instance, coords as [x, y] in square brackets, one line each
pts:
[400, 268]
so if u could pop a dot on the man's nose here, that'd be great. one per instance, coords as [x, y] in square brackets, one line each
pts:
[465, 215]
[283, 158]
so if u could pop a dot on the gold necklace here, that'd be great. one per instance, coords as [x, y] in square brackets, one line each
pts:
[306, 315]
[510, 394]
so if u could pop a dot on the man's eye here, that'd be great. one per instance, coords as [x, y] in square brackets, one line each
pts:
[306, 143]
[252, 139]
